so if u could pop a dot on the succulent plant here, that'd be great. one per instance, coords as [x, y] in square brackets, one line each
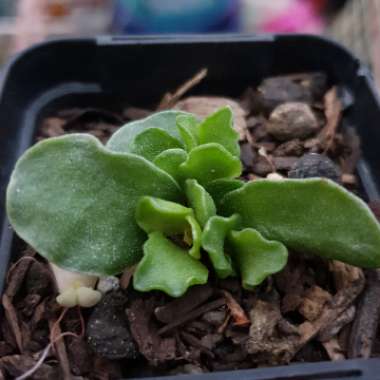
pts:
[165, 192]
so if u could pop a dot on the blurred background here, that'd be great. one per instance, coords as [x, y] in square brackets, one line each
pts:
[355, 23]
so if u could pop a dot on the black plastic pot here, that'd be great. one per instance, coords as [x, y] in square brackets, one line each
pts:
[85, 72]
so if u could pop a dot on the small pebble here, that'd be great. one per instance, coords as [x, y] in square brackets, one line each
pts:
[292, 120]
[315, 165]
[106, 284]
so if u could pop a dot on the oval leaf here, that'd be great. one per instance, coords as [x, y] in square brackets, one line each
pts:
[188, 129]
[167, 267]
[312, 216]
[152, 142]
[208, 162]
[200, 201]
[123, 139]
[74, 202]
[218, 128]
[170, 160]
[213, 238]
[256, 257]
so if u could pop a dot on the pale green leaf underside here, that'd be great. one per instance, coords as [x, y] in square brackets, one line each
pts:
[171, 219]
[218, 128]
[310, 216]
[74, 202]
[213, 242]
[208, 162]
[200, 201]
[256, 257]
[122, 140]
[167, 267]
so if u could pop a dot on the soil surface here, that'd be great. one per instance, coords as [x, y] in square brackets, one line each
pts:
[313, 310]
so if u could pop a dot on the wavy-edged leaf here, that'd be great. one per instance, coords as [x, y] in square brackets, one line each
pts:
[123, 139]
[74, 202]
[170, 160]
[154, 214]
[311, 215]
[218, 128]
[213, 239]
[200, 201]
[220, 187]
[188, 129]
[256, 257]
[167, 267]
[208, 162]
[151, 142]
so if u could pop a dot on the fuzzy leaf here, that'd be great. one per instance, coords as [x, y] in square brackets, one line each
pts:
[311, 216]
[200, 201]
[74, 202]
[256, 257]
[208, 162]
[123, 139]
[170, 160]
[213, 238]
[218, 128]
[152, 142]
[220, 187]
[167, 267]
[187, 126]
[154, 214]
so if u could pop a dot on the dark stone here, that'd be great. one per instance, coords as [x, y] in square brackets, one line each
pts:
[315, 165]
[108, 332]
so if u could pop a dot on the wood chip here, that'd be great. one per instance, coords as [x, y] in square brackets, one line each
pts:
[169, 99]
[11, 316]
[192, 315]
[364, 329]
[181, 306]
[334, 350]
[237, 312]
[333, 114]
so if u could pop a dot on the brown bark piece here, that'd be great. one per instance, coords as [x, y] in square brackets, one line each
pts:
[363, 332]
[313, 302]
[237, 312]
[192, 299]
[333, 114]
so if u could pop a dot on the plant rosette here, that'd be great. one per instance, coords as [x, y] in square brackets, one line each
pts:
[163, 194]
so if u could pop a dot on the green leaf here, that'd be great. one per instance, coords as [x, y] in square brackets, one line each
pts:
[152, 142]
[154, 214]
[74, 202]
[213, 238]
[218, 128]
[187, 126]
[123, 139]
[167, 267]
[200, 201]
[256, 257]
[170, 160]
[220, 187]
[195, 237]
[208, 162]
[311, 216]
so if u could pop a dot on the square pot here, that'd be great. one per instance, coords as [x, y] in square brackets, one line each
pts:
[138, 70]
